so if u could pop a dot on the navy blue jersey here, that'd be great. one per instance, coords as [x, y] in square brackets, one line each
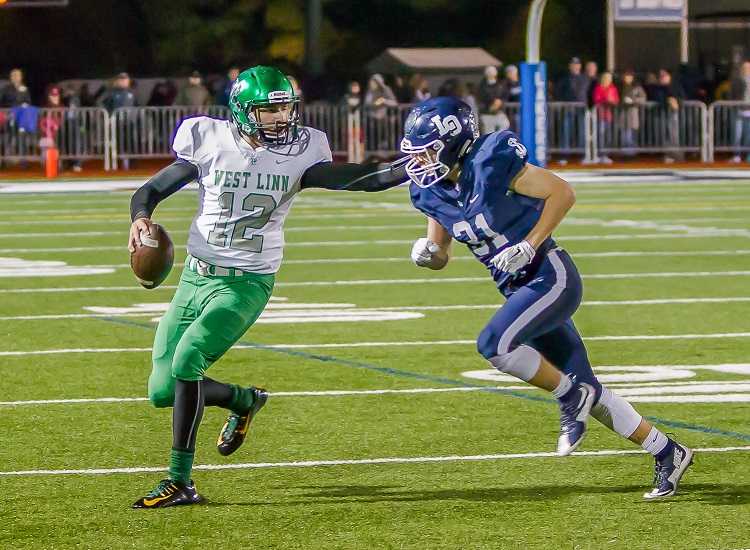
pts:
[481, 211]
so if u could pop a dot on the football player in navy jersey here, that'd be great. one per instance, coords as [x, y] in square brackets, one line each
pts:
[481, 191]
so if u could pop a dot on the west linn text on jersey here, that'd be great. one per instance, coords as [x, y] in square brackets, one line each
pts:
[268, 182]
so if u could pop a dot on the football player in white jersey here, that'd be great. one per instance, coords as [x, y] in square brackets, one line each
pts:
[249, 170]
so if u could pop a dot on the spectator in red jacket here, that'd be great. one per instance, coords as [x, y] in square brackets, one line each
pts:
[605, 98]
[51, 120]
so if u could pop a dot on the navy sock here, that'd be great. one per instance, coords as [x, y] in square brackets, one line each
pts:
[664, 453]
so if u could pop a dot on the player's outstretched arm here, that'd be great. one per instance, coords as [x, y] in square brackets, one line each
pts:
[159, 187]
[370, 176]
[558, 195]
[432, 251]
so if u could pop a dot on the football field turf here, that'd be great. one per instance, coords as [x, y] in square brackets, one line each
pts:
[385, 428]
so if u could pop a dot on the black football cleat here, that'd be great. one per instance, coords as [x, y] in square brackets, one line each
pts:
[235, 429]
[669, 471]
[169, 493]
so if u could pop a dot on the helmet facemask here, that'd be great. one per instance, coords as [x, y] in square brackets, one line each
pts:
[425, 167]
[278, 132]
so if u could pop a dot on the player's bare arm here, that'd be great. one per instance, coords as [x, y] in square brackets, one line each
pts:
[558, 195]
[432, 251]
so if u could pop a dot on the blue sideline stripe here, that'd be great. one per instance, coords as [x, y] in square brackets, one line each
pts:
[439, 379]
[460, 383]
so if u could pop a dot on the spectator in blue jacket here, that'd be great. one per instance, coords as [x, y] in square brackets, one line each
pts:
[121, 94]
[222, 98]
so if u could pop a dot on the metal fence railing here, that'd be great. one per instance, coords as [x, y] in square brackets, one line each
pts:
[146, 132]
[331, 119]
[573, 129]
[568, 128]
[728, 129]
[649, 128]
[382, 128]
[78, 134]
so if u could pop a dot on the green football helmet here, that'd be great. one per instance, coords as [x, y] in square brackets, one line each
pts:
[264, 87]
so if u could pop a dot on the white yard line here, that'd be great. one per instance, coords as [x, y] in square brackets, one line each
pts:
[694, 386]
[370, 282]
[422, 343]
[639, 224]
[452, 307]
[120, 191]
[89, 219]
[358, 461]
[301, 229]
[404, 259]
[603, 209]
[321, 393]
[724, 233]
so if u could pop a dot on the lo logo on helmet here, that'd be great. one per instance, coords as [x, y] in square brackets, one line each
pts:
[448, 125]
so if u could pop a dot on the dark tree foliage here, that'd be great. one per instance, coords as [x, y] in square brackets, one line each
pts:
[98, 38]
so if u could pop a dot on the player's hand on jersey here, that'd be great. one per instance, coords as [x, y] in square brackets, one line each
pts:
[422, 251]
[141, 225]
[514, 257]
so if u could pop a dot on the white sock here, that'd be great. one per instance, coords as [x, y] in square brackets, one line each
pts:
[655, 442]
[563, 387]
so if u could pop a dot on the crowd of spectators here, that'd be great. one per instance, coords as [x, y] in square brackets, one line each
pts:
[616, 98]
[499, 85]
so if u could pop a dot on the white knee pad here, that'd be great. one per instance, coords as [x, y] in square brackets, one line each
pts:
[616, 413]
[523, 362]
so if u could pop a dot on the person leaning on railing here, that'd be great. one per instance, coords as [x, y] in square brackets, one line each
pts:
[21, 122]
[633, 99]
[492, 97]
[572, 87]
[605, 97]
[194, 93]
[740, 91]
[119, 94]
[378, 98]
[669, 95]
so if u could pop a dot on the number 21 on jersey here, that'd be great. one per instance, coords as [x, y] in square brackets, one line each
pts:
[479, 235]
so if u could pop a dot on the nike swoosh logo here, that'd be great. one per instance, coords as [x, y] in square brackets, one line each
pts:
[282, 161]
[472, 199]
[152, 501]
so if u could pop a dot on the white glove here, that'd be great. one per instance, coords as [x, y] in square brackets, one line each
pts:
[514, 257]
[422, 251]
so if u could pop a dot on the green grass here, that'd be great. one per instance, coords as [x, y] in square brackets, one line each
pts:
[585, 501]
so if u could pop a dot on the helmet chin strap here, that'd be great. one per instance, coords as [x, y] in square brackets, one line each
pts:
[454, 173]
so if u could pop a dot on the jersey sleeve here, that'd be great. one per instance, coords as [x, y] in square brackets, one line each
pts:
[504, 159]
[188, 141]
[324, 154]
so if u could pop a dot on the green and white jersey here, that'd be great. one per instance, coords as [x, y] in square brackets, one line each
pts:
[245, 193]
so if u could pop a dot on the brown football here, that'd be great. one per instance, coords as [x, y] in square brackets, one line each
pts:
[153, 260]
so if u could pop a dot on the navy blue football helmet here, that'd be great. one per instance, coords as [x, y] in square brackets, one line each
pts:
[437, 133]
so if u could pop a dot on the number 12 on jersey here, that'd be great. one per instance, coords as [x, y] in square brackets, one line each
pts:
[259, 207]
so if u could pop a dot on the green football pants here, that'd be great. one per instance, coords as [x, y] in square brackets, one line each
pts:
[208, 314]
